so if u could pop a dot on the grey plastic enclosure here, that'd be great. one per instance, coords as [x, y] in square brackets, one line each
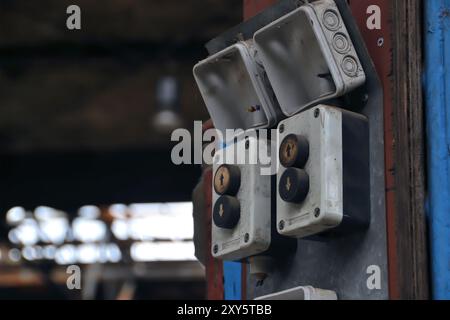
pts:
[235, 89]
[252, 234]
[309, 56]
[339, 175]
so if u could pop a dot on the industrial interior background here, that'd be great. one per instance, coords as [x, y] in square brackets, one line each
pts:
[80, 127]
[85, 120]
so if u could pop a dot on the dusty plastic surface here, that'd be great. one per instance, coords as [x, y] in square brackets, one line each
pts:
[338, 169]
[309, 57]
[252, 234]
[235, 89]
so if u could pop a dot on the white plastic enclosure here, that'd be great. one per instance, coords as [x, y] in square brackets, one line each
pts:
[252, 234]
[301, 293]
[338, 196]
[235, 89]
[309, 56]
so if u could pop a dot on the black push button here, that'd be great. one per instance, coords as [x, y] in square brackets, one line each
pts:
[227, 180]
[294, 151]
[227, 212]
[294, 185]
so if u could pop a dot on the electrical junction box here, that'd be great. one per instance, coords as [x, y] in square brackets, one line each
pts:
[235, 89]
[243, 201]
[309, 56]
[323, 182]
[301, 293]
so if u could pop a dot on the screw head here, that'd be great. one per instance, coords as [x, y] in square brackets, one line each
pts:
[247, 144]
[281, 128]
[216, 249]
[316, 113]
[380, 42]
[246, 237]
[281, 225]
[317, 213]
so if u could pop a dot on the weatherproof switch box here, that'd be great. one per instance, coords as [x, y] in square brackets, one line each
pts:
[235, 89]
[323, 181]
[309, 56]
[243, 202]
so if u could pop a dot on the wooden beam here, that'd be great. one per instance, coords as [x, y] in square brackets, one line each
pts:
[398, 62]
[409, 149]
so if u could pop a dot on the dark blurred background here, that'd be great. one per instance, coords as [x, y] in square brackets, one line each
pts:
[85, 123]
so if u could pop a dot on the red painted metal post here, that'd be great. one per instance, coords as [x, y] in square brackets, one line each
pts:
[253, 7]
[379, 44]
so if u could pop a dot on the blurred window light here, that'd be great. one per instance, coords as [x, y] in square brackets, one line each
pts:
[29, 253]
[54, 230]
[66, 254]
[88, 230]
[49, 252]
[46, 213]
[39, 251]
[113, 253]
[14, 255]
[15, 215]
[12, 236]
[120, 228]
[119, 211]
[162, 251]
[89, 212]
[28, 232]
[162, 221]
[88, 254]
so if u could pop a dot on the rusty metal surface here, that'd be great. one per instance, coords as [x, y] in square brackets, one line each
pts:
[382, 58]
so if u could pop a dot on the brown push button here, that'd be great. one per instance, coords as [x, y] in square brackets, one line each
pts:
[294, 185]
[294, 151]
[227, 180]
[227, 212]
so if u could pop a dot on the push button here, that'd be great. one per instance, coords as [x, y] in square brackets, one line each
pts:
[227, 212]
[294, 185]
[227, 180]
[294, 151]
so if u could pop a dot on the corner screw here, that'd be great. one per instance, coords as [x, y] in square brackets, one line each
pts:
[380, 42]
[246, 237]
[281, 225]
[216, 248]
[317, 213]
[316, 113]
[282, 128]
[247, 144]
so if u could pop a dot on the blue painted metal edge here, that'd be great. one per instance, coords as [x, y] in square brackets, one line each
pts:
[232, 273]
[437, 94]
